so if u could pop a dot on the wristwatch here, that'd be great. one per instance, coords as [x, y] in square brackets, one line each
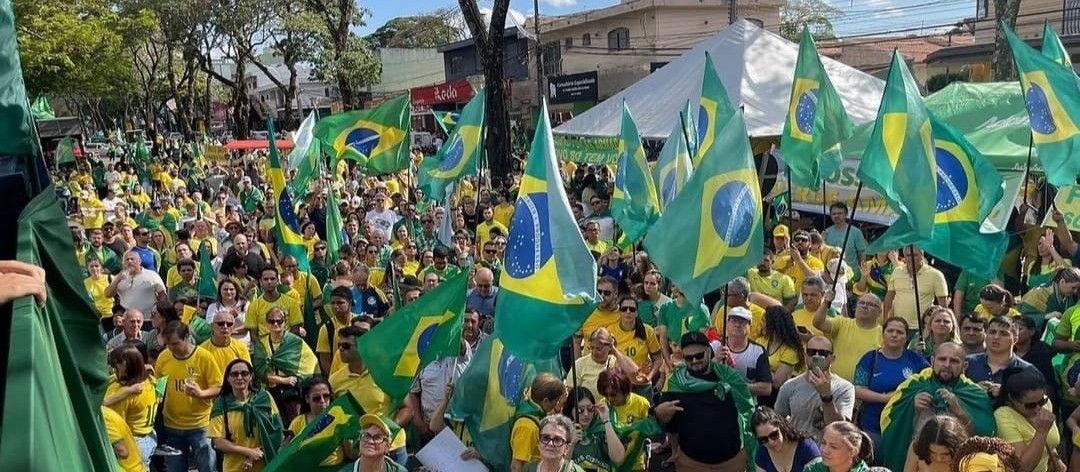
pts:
[826, 398]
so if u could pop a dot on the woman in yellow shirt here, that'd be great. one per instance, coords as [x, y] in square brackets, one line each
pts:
[95, 285]
[786, 356]
[1025, 419]
[244, 423]
[628, 407]
[639, 342]
[131, 393]
[310, 238]
[994, 301]
[317, 395]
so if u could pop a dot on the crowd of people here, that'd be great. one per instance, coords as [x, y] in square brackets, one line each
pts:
[820, 358]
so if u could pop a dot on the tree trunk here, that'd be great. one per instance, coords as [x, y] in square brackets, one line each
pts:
[1002, 61]
[291, 120]
[241, 104]
[497, 118]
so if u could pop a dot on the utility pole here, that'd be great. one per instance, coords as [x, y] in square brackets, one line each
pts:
[731, 16]
[539, 58]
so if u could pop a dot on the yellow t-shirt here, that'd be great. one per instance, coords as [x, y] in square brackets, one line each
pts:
[757, 324]
[322, 344]
[503, 214]
[305, 281]
[483, 231]
[805, 318]
[370, 397]
[599, 319]
[96, 289]
[235, 462]
[260, 306]
[776, 285]
[785, 264]
[525, 439]
[588, 371]
[118, 432]
[850, 342]
[223, 355]
[635, 408]
[138, 410]
[297, 426]
[1013, 427]
[787, 356]
[182, 411]
[931, 285]
[985, 315]
[636, 348]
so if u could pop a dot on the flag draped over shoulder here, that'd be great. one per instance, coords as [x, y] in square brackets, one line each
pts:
[634, 202]
[460, 153]
[259, 415]
[968, 188]
[378, 138]
[674, 165]
[207, 281]
[418, 334]
[322, 435]
[730, 382]
[287, 227]
[712, 231]
[447, 120]
[899, 160]
[1052, 47]
[1052, 95]
[714, 110]
[898, 417]
[816, 121]
[65, 151]
[547, 287]
[489, 392]
[54, 363]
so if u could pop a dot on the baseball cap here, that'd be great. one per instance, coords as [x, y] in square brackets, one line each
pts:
[740, 312]
[781, 231]
[390, 428]
[692, 338]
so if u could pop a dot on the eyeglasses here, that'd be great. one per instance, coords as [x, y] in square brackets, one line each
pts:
[553, 441]
[595, 202]
[223, 324]
[237, 374]
[606, 293]
[694, 357]
[585, 408]
[373, 438]
[1038, 404]
[275, 322]
[323, 397]
[500, 243]
[628, 309]
[818, 352]
[773, 436]
[869, 305]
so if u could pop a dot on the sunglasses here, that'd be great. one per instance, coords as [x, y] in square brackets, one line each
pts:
[773, 436]
[585, 408]
[490, 251]
[694, 357]
[553, 441]
[320, 249]
[223, 324]
[802, 240]
[275, 322]
[818, 352]
[236, 374]
[606, 293]
[628, 309]
[323, 397]
[1037, 404]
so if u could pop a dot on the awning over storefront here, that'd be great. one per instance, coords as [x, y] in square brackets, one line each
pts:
[249, 144]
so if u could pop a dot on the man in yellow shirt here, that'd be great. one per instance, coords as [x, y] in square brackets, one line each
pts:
[123, 442]
[483, 230]
[798, 263]
[738, 295]
[900, 299]
[777, 285]
[355, 378]
[221, 344]
[813, 292]
[851, 337]
[605, 316]
[261, 305]
[592, 239]
[194, 380]
[341, 303]
[504, 211]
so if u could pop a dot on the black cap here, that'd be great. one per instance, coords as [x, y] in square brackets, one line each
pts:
[694, 337]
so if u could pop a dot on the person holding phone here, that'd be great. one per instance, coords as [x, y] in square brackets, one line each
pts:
[817, 397]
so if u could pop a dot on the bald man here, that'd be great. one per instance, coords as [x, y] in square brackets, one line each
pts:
[482, 296]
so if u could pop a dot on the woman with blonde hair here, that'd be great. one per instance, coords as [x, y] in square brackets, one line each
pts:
[844, 448]
[939, 326]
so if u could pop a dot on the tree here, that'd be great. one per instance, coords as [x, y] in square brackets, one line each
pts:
[423, 31]
[818, 15]
[343, 56]
[940, 81]
[489, 46]
[1002, 62]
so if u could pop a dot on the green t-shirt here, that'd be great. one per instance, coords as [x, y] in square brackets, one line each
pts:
[649, 312]
[591, 452]
[680, 320]
[970, 284]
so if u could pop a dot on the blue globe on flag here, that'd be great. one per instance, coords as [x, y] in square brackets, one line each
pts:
[952, 181]
[511, 377]
[732, 212]
[805, 111]
[363, 140]
[529, 245]
[453, 154]
[1038, 105]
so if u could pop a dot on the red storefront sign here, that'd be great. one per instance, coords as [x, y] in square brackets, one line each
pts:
[450, 92]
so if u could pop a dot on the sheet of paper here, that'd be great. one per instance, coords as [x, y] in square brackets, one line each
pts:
[443, 454]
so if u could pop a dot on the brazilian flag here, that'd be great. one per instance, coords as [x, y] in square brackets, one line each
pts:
[547, 287]
[334, 226]
[497, 382]
[712, 231]
[377, 138]
[816, 121]
[634, 202]
[1052, 47]
[459, 155]
[714, 110]
[322, 435]
[898, 417]
[899, 160]
[674, 166]
[207, 281]
[287, 227]
[418, 334]
[968, 188]
[41, 109]
[447, 120]
[65, 152]
[1052, 94]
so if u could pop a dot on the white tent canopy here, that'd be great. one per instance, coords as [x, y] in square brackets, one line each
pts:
[757, 68]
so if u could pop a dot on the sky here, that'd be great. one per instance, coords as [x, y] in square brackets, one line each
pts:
[862, 17]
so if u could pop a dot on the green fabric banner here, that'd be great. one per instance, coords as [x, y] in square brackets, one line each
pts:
[587, 150]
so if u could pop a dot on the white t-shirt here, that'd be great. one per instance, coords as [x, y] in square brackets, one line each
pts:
[383, 221]
[110, 207]
[140, 291]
